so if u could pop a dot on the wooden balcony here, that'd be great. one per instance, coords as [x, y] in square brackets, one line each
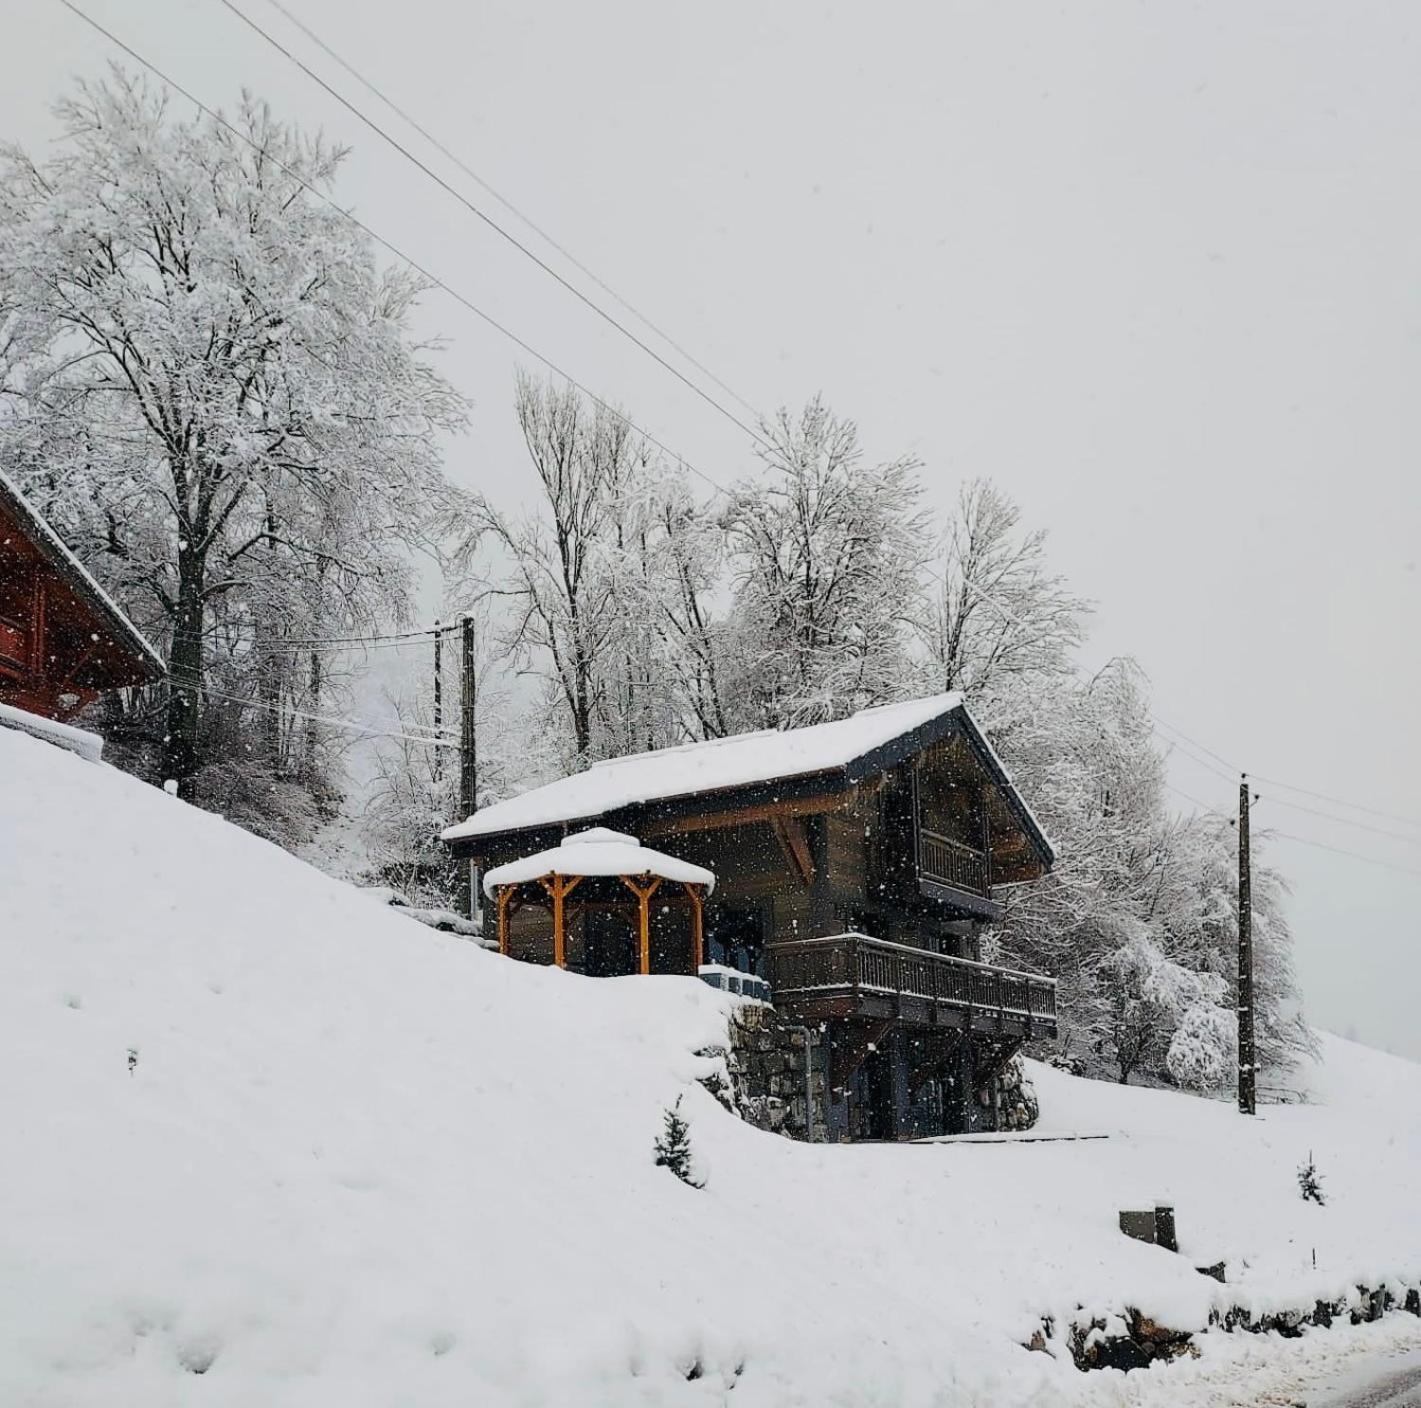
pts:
[953, 864]
[854, 976]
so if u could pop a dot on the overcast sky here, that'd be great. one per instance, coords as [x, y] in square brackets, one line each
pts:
[1156, 269]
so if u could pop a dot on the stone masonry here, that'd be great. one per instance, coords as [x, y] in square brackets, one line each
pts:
[775, 1073]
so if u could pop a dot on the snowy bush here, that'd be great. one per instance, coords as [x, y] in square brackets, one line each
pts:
[1310, 1182]
[1202, 1052]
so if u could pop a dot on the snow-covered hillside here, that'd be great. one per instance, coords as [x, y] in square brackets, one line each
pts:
[269, 1142]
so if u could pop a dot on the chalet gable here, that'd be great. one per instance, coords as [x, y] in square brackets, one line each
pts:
[62, 637]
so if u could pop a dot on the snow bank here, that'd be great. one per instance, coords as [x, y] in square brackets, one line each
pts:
[271, 1144]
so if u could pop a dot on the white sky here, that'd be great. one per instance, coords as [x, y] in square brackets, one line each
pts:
[1153, 268]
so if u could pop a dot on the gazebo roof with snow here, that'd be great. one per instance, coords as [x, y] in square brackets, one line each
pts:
[598, 851]
[600, 854]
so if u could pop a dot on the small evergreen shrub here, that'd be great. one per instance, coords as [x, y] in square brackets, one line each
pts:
[673, 1147]
[1309, 1182]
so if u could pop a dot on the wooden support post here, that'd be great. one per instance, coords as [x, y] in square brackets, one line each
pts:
[438, 759]
[1247, 1056]
[698, 926]
[505, 895]
[644, 894]
[560, 887]
[468, 748]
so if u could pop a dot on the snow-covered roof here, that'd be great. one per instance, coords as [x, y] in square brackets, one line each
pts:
[76, 574]
[598, 851]
[75, 740]
[718, 763]
[724, 763]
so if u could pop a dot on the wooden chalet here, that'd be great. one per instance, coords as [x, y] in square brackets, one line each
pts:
[62, 639]
[856, 866]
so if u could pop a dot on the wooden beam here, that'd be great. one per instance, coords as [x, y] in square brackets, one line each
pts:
[559, 887]
[644, 894]
[740, 816]
[846, 1054]
[794, 842]
[38, 630]
[505, 897]
[698, 926]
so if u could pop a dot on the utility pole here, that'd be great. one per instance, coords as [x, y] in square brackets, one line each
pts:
[468, 749]
[1247, 1059]
[438, 696]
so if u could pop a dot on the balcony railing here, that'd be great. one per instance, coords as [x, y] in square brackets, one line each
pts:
[951, 863]
[853, 971]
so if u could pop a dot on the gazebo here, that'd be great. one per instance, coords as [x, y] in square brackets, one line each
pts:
[608, 870]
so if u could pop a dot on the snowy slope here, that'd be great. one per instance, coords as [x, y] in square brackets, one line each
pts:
[359, 1162]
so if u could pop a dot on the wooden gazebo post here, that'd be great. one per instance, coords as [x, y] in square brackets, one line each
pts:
[505, 900]
[559, 887]
[644, 894]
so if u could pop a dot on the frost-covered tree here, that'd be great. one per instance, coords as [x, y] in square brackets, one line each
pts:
[560, 580]
[825, 554]
[670, 564]
[214, 389]
[995, 610]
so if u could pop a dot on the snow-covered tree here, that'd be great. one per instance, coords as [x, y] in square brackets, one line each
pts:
[215, 391]
[825, 554]
[560, 584]
[995, 611]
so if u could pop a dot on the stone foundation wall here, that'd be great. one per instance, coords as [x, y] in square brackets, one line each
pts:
[1015, 1096]
[774, 1073]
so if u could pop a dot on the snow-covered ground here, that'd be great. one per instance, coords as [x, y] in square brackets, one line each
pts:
[270, 1143]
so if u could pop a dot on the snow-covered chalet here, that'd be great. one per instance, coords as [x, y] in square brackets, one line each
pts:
[854, 864]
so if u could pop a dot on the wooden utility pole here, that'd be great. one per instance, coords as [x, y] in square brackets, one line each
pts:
[468, 749]
[1247, 1060]
[438, 697]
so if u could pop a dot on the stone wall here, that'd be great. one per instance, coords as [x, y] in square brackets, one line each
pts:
[1017, 1105]
[774, 1073]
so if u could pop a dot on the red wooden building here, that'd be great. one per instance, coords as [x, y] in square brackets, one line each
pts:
[62, 638]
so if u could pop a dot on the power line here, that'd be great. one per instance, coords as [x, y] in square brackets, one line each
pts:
[389, 246]
[1338, 801]
[491, 222]
[1188, 798]
[1342, 851]
[351, 724]
[304, 642]
[1193, 757]
[1232, 770]
[1346, 820]
[504, 201]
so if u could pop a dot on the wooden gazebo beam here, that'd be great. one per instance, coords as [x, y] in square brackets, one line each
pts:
[559, 887]
[643, 893]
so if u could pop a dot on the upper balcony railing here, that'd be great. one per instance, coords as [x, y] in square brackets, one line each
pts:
[860, 970]
[952, 863]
